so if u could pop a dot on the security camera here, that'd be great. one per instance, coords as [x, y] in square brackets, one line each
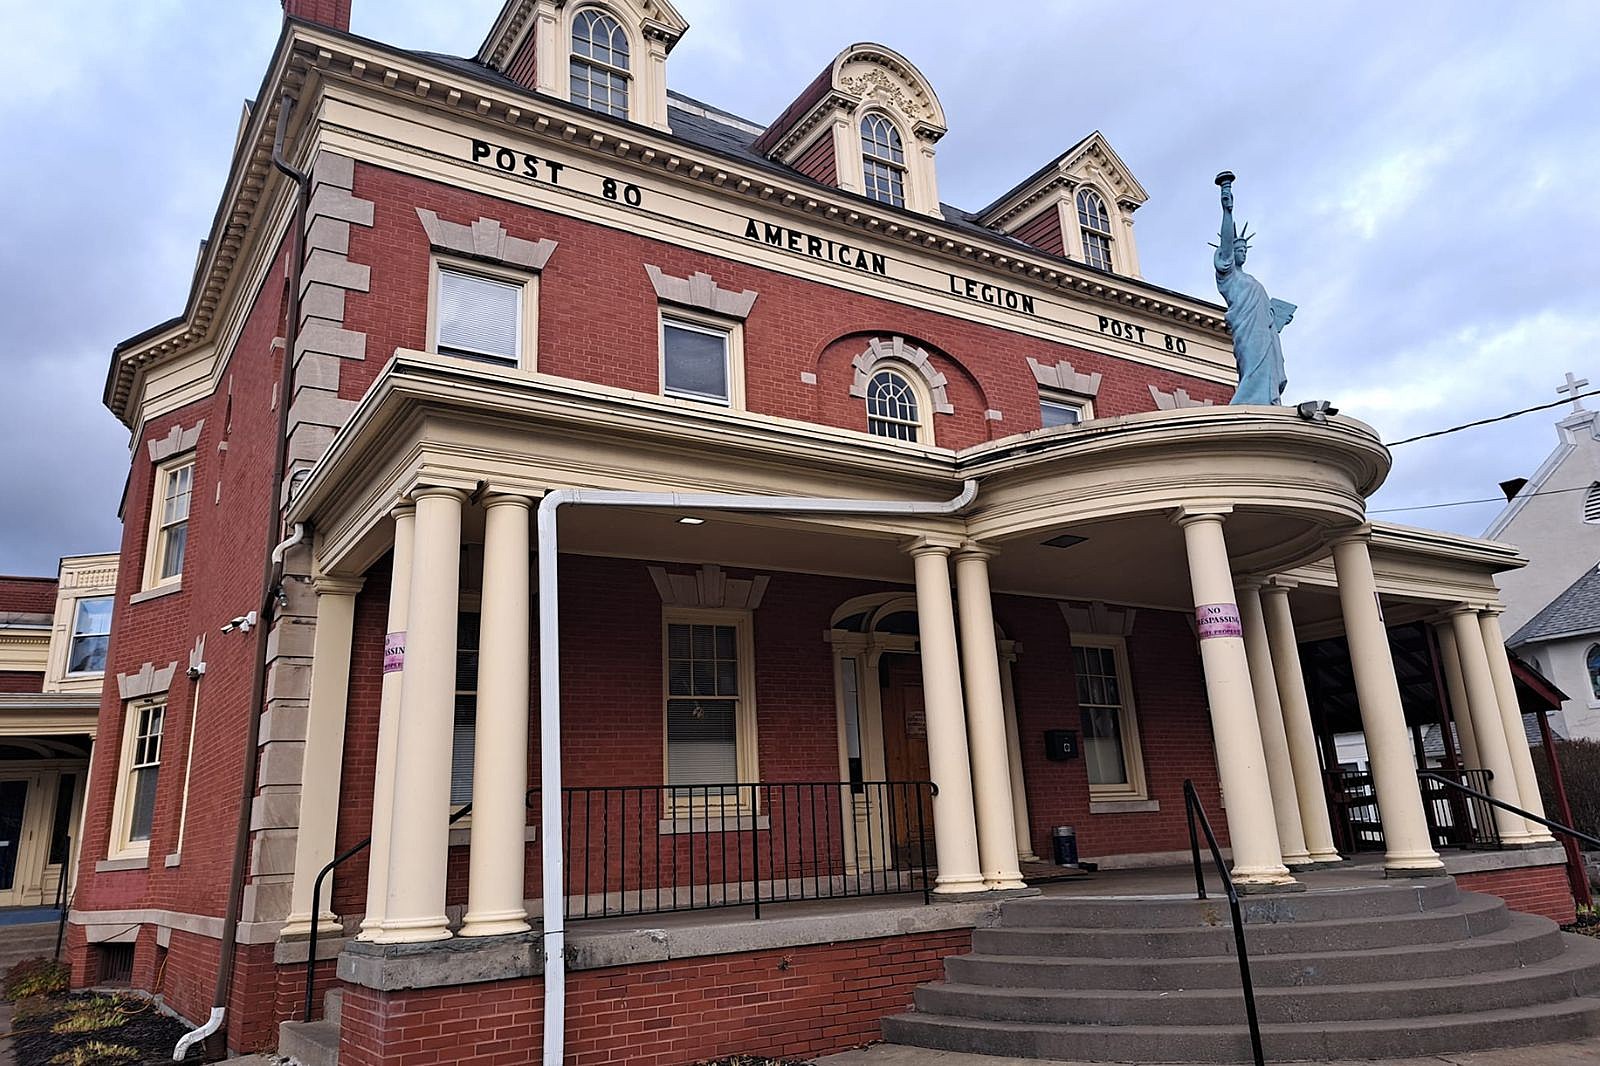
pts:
[244, 623]
[197, 671]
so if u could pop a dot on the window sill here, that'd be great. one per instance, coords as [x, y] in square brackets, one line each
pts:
[170, 588]
[461, 833]
[137, 862]
[1124, 806]
[739, 823]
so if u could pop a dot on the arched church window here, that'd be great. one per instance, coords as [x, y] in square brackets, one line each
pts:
[600, 63]
[1593, 663]
[883, 160]
[1591, 503]
[893, 407]
[1094, 222]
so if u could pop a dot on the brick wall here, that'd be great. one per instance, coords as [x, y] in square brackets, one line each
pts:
[796, 1002]
[1542, 890]
[29, 595]
[21, 681]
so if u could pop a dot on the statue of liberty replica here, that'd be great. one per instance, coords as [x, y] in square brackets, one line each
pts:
[1254, 318]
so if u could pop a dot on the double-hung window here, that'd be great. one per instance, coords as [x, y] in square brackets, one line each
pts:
[696, 360]
[883, 161]
[91, 635]
[463, 746]
[482, 317]
[1059, 409]
[135, 804]
[710, 710]
[599, 67]
[169, 522]
[1094, 227]
[1110, 726]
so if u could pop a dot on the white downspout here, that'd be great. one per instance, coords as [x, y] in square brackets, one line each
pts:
[551, 851]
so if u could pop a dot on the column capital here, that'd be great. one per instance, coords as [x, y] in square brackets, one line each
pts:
[423, 492]
[1249, 584]
[331, 585]
[1361, 533]
[971, 549]
[1280, 586]
[1494, 609]
[403, 508]
[1186, 516]
[931, 545]
[508, 499]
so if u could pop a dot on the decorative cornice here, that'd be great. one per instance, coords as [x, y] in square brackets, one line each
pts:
[178, 441]
[897, 350]
[699, 290]
[1175, 400]
[1099, 619]
[149, 681]
[486, 239]
[1062, 376]
[709, 587]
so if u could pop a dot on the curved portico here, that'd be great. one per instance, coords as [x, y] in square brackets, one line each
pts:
[1166, 512]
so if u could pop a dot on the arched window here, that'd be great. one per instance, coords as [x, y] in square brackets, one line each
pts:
[1094, 222]
[883, 161]
[893, 409]
[1593, 662]
[600, 63]
[1591, 503]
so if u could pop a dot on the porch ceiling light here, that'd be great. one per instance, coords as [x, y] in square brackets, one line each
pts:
[686, 520]
[1065, 540]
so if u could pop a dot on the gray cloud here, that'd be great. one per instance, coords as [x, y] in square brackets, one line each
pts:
[1420, 175]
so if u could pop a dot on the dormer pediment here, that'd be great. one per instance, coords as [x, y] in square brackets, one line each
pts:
[820, 132]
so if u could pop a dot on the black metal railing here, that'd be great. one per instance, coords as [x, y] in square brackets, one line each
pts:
[1197, 813]
[651, 849]
[1455, 818]
[63, 896]
[1574, 862]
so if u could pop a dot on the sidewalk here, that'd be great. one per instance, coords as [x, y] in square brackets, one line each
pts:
[1579, 1053]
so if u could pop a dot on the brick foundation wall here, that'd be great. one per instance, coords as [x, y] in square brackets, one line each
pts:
[796, 1002]
[1542, 890]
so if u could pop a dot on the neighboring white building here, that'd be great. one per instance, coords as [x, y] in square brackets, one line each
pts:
[1553, 604]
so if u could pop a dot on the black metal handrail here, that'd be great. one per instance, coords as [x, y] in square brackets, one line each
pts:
[62, 896]
[1576, 834]
[1193, 810]
[316, 907]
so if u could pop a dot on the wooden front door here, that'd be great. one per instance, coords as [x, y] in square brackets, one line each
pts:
[905, 757]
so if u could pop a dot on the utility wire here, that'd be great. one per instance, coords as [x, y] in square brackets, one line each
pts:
[1496, 418]
[1465, 503]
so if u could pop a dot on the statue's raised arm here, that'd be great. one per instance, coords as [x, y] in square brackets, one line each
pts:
[1254, 318]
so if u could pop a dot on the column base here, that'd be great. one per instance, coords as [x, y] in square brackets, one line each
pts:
[957, 885]
[410, 931]
[1028, 856]
[1299, 862]
[495, 924]
[1326, 858]
[299, 925]
[1004, 882]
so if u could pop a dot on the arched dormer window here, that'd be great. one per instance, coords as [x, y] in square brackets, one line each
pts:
[600, 63]
[1094, 223]
[894, 407]
[883, 160]
[1591, 504]
[1592, 661]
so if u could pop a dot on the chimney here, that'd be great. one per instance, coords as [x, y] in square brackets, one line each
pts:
[334, 14]
[1512, 487]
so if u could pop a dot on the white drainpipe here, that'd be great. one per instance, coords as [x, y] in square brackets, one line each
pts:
[555, 962]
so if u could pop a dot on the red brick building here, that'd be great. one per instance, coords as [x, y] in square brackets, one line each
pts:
[784, 399]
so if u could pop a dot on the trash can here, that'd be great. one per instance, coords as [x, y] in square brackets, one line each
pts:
[1065, 841]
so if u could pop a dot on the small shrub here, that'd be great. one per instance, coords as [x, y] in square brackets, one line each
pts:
[36, 977]
[89, 1016]
[96, 1053]
[33, 1008]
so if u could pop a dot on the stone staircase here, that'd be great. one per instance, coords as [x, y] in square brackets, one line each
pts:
[314, 1043]
[32, 940]
[1390, 971]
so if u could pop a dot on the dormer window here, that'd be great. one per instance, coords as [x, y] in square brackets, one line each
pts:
[1094, 223]
[600, 63]
[883, 161]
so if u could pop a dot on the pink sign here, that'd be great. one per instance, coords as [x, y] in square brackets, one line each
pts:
[394, 652]
[1218, 620]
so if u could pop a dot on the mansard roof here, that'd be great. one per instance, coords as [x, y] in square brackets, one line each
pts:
[515, 21]
[862, 73]
[1091, 159]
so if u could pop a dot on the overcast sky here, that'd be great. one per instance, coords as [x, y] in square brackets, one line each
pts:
[1422, 177]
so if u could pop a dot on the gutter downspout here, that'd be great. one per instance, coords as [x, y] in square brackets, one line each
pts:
[215, 1032]
[551, 852]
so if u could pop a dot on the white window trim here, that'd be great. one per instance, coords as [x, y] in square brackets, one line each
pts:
[732, 329]
[1136, 787]
[73, 635]
[154, 541]
[1084, 404]
[119, 846]
[627, 74]
[919, 387]
[746, 755]
[903, 168]
[527, 308]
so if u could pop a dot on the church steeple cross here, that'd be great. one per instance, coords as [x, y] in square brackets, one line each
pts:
[1572, 387]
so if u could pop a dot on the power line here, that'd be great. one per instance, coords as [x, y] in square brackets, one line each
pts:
[1465, 503]
[1496, 418]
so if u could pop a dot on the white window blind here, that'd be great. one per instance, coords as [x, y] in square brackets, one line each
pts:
[694, 361]
[1059, 413]
[702, 704]
[479, 317]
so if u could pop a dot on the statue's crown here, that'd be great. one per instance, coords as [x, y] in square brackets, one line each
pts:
[1242, 234]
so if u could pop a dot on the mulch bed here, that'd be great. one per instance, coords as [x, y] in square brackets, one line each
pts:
[95, 1029]
[1588, 924]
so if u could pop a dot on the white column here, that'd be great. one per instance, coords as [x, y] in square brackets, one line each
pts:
[1456, 686]
[1408, 846]
[324, 755]
[1241, 763]
[955, 834]
[1019, 791]
[1310, 794]
[1505, 691]
[420, 834]
[500, 753]
[405, 527]
[1274, 737]
[1487, 726]
[986, 726]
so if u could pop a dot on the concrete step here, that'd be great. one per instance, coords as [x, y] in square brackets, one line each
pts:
[1576, 972]
[332, 1005]
[1525, 941]
[1366, 1039]
[1473, 916]
[309, 1043]
[1174, 912]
